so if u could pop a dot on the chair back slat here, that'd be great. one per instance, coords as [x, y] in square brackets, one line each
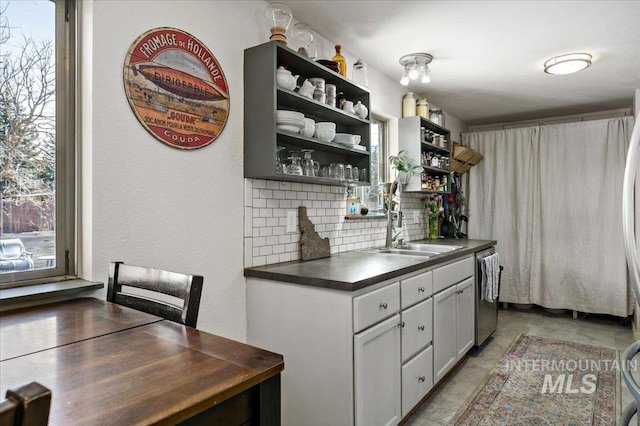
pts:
[158, 282]
[166, 282]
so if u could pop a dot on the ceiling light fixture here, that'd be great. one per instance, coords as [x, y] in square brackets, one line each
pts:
[416, 66]
[567, 64]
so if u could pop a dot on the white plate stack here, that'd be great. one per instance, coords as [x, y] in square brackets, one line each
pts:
[289, 121]
[345, 139]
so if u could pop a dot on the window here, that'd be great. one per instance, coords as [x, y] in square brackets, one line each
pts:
[37, 140]
[372, 195]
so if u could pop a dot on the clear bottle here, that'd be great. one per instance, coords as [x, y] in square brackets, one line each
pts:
[342, 63]
[409, 105]
[360, 73]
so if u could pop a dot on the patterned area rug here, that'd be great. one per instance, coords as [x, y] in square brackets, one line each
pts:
[542, 381]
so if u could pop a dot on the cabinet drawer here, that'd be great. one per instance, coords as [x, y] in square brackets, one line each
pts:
[417, 328]
[415, 289]
[417, 379]
[375, 306]
[453, 273]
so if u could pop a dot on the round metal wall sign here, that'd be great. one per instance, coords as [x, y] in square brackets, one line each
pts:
[176, 88]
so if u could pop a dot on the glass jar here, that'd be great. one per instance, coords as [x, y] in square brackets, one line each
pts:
[409, 105]
[422, 108]
[437, 116]
[360, 73]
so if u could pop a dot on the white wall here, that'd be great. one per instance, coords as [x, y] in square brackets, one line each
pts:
[143, 202]
[147, 203]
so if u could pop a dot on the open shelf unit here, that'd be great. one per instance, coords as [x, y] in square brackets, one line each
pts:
[263, 98]
[411, 139]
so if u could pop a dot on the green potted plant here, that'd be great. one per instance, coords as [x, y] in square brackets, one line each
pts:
[405, 166]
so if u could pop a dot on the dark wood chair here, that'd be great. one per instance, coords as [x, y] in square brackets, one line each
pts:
[27, 405]
[152, 284]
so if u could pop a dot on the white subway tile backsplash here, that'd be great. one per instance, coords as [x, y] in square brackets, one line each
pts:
[265, 232]
[266, 206]
[271, 184]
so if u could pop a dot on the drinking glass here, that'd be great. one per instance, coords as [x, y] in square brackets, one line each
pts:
[348, 172]
[316, 168]
[307, 163]
[294, 167]
[355, 174]
[336, 170]
[280, 167]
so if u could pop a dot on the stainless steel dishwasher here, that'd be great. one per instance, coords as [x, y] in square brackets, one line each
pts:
[486, 312]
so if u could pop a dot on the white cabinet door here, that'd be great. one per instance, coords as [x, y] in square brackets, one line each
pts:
[465, 317]
[444, 332]
[377, 374]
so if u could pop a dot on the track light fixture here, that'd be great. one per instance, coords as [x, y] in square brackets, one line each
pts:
[416, 66]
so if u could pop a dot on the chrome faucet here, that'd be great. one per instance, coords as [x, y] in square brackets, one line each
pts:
[390, 238]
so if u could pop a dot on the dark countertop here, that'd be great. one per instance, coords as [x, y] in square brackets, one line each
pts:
[354, 270]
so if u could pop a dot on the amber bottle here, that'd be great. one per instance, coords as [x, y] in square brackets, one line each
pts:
[342, 63]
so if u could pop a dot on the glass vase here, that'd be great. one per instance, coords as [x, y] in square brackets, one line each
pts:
[433, 228]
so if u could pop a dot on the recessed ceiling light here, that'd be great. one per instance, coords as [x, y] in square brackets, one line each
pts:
[567, 64]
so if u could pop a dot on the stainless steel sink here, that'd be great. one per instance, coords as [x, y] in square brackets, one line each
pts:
[429, 248]
[417, 249]
[423, 254]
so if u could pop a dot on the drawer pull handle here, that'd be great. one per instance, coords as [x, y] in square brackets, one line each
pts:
[421, 289]
[383, 305]
[421, 328]
[422, 378]
[402, 324]
[461, 291]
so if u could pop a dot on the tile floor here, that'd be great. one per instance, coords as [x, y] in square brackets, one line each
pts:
[453, 392]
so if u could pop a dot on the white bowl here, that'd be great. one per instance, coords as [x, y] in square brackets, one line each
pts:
[325, 135]
[326, 125]
[309, 127]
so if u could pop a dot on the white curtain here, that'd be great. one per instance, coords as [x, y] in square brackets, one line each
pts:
[551, 197]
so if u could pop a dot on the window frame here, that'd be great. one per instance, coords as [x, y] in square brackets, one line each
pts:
[66, 140]
[382, 169]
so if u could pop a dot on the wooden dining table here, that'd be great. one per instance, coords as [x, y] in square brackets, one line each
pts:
[112, 365]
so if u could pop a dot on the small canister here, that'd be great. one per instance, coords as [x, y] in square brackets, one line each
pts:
[319, 95]
[330, 90]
